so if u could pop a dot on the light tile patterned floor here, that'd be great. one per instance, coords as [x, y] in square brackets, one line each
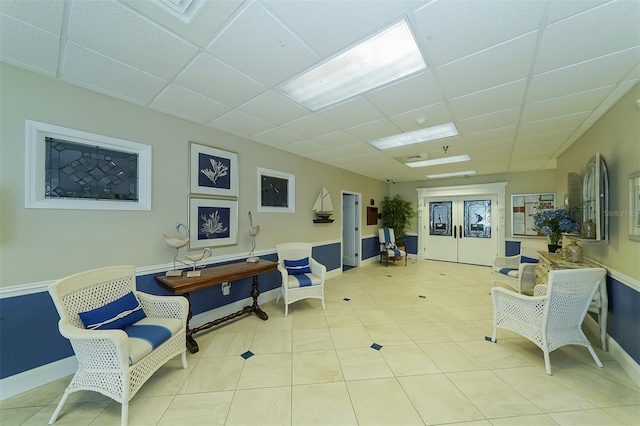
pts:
[319, 368]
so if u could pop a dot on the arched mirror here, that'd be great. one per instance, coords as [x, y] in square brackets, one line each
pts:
[595, 201]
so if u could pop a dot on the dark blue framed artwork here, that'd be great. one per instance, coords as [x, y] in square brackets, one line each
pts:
[212, 222]
[213, 171]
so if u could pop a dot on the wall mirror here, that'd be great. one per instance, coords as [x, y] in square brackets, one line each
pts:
[523, 207]
[595, 201]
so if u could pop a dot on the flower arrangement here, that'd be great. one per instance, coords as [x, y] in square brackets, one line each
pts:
[553, 223]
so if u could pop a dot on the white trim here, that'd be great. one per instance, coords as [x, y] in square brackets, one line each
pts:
[35, 133]
[31, 379]
[620, 277]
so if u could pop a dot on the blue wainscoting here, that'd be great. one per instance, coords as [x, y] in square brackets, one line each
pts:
[29, 335]
[624, 317]
[411, 242]
[511, 248]
[370, 247]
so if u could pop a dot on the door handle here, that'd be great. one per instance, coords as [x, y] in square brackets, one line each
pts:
[455, 231]
[460, 231]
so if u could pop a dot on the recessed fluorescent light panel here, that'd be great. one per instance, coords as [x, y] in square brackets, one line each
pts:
[380, 59]
[436, 161]
[452, 174]
[417, 136]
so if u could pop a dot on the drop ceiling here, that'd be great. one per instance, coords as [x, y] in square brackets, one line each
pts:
[521, 80]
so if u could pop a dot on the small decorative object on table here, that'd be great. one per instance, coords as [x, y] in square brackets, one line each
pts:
[253, 231]
[589, 229]
[553, 223]
[573, 252]
[177, 243]
[195, 258]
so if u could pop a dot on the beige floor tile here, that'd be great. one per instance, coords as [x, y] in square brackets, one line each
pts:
[436, 314]
[312, 339]
[408, 360]
[71, 414]
[267, 406]
[308, 319]
[535, 420]
[243, 324]
[142, 411]
[322, 404]
[337, 304]
[350, 337]
[39, 396]
[438, 400]
[389, 303]
[382, 402]
[595, 417]
[491, 355]
[267, 370]
[214, 374]
[228, 344]
[272, 341]
[198, 409]
[491, 395]
[387, 335]
[424, 332]
[628, 415]
[363, 304]
[316, 367]
[450, 357]
[459, 331]
[276, 321]
[404, 316]
[378, 317]
[17, 416]
[363, 363]
[342, 319]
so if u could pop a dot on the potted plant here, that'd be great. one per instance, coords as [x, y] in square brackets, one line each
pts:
[553, 223]
[397, 214]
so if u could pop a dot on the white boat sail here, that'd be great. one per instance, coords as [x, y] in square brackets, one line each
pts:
[323, 206]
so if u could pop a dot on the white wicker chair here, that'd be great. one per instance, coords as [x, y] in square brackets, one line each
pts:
[515, 272]
[291, 289]
[103, 355]
[388, 248]
[554, 319]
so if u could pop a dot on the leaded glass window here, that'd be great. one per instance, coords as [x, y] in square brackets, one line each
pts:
[440, 218]
[477, 219]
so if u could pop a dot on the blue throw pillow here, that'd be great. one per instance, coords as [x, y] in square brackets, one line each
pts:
[118, 314]
[297, 267]
[525, 259]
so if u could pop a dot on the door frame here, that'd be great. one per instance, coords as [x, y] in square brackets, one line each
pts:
[496, 188]
[357, 234]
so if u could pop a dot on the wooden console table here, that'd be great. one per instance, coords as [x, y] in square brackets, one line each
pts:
[216, 275]
[599, 305]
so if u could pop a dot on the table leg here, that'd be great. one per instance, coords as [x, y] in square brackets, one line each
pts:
[255, 292]
[192, 345]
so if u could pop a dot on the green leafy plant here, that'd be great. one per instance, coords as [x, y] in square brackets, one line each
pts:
[397, 214]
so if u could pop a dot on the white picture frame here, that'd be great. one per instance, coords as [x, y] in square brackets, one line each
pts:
[212, 222]
[276, 191]
[212, 171]
[37, 196]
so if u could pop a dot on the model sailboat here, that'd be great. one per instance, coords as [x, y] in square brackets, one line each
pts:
[323, 207]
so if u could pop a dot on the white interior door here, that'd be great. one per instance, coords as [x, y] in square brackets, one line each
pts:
[460, 229]
[349, 229]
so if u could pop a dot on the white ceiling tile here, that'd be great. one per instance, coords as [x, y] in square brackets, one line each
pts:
[555, 123]
[271, 56]
[480, 123]
[327, 155]
[304, 148]
[186, 104]
[337, 139]
[44, 14]
[564, 9]
[581, 77]
[526, 138]
[274, 108]
[110, 28]
[501, 64]
[310, 126]
[582, 101]
[374, 129]
[454, 29]
[503, 145]
[434, 114]
[89, 69]
[351, 113]
[356, 149]
[331, 26]
[609, 28]
[204, 74]
[408, 94]
[508, 132]
[496, 98]
[27, 46]
[239, 123]
[617, 93]
[277, 137]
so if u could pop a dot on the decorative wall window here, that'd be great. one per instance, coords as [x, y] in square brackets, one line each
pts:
[72, 169]
[440, 218]
[276, 191]
[477, 219]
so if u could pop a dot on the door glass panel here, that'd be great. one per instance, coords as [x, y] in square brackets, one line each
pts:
[477, 219]
[440, 218]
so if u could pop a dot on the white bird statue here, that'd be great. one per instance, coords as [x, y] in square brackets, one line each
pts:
[177, 243]
[195, 258]
[253, 231]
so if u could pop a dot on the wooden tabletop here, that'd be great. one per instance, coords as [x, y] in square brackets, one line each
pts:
[216, 275]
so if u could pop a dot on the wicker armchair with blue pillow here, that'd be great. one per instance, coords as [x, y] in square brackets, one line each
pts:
[517, 271]
[302, 276]
[388, 247]
[120, 336]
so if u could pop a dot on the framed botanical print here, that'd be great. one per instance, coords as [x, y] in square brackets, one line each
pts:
[212, 222]
[276, 191]
[213, 171]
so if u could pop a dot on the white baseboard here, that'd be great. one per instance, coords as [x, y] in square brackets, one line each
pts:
[31, 379]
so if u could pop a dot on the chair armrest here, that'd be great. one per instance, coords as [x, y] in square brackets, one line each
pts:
[317, 268]
[507, 262]
[97, 349]
[164, 306]
[283, 272]
[510, 302]
[540, 290]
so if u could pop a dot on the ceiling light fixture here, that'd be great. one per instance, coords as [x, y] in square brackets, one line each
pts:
[417, 136]
[452, 174]
[436, 161]
[384, 57]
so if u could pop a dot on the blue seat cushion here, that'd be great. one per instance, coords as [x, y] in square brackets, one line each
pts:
[510, 272]
[119, 314]
[148, 334]
[303, 280]
[297, 267]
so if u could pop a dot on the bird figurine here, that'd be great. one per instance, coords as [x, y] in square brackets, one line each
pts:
[177, 243]
[195, 258]
[253, 231]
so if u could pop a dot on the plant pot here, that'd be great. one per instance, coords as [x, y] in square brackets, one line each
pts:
[553, 247]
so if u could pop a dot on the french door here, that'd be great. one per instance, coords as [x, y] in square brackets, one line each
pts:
[460, 229]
